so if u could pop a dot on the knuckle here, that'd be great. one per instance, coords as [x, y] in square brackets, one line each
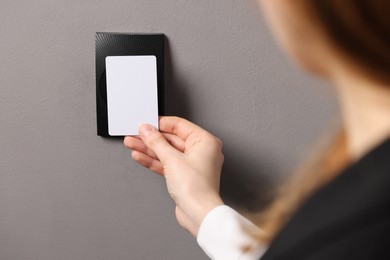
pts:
[155, 139]
[217, 143]
[222, 157]
[135, 156]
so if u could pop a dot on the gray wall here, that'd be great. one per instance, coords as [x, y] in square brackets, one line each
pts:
[66, 193]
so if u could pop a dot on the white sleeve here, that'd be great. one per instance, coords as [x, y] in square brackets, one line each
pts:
[221, 236]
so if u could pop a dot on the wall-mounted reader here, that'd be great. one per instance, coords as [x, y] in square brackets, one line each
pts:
[129, 82]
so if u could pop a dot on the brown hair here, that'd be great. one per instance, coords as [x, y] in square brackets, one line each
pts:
[359, 30]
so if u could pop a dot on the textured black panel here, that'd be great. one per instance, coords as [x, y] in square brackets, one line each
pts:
[122, 44]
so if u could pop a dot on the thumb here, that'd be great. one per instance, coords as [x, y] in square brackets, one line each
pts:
[156, 142]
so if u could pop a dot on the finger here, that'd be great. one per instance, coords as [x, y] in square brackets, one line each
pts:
[180, 127]
[175, 141]
[137, 144]
[156, 142]
[148, 162]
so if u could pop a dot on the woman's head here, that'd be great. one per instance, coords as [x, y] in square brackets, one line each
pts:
[327, 37]
[320, 35]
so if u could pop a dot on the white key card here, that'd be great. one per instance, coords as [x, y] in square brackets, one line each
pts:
[131, 93]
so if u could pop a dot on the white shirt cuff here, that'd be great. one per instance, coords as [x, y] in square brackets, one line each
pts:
[221, 236]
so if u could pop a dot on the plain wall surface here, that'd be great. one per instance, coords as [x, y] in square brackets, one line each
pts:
[66, 193]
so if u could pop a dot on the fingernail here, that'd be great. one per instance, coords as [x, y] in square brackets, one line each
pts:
[144, 130]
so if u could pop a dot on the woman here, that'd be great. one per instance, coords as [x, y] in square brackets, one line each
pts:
[338, 205]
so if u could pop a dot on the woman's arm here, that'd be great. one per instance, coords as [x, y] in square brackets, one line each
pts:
[190, 159]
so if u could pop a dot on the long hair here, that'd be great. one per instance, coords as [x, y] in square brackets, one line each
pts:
[359, 30]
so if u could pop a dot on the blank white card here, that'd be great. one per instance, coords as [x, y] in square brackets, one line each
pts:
[131, 93]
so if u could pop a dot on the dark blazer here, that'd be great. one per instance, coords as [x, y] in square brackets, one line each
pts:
[347, 219]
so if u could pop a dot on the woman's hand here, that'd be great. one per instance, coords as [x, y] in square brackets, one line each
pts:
[189, 158]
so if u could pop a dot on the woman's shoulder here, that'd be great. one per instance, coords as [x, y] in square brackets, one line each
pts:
[349, 213]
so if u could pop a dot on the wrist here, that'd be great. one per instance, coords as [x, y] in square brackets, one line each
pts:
[202, 208]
